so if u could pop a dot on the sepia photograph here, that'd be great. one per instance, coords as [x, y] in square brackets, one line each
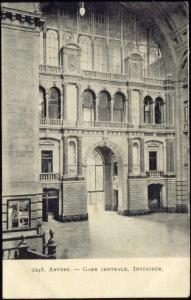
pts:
[95, 140]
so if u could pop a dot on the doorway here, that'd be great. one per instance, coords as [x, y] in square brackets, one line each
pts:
[102, 180]
[50, 204]
[155, 197]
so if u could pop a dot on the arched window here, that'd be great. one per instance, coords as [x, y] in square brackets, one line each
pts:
[88, 106]
[100, 55]
[115, 57]
[159, 113]
[52, 47]
[86, 53]
[118, 107]
[104, 110]
[41, 50]
[72, 157]
[148, 110]
[42, 103]
[54, 104]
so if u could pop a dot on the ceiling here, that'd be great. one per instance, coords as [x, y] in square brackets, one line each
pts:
[168, 21]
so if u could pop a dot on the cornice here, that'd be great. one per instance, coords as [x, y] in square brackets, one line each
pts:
[12, 16]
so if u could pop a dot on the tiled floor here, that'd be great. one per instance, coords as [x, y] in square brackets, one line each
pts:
[109, 235]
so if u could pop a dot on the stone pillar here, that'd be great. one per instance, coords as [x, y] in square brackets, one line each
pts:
[61, 106]
[141, 108]
[79, 104]
[96, 108]
[108, 65]
[92, 44]
[44, 48]
[142, 156]
[153, 112]
[47, 102]
[111, 109]
[65, 85]
[79, 139]
[130, 105]
[61, 157]
[130, 156]
[170, 109]
[65, 156]
[169, 156]
[125, 119]
[167, 109]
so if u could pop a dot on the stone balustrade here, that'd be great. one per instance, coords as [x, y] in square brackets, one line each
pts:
[58, 70]
[49, 177]
[155, 173]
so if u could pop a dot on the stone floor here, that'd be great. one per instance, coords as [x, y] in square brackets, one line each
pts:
[109, 235]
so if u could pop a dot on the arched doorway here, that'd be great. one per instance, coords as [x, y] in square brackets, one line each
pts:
[155, 197]
[50, 204]
[102, 180]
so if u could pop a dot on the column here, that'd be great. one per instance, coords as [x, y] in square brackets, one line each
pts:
[126, 111]
[130, 105]
[61, 157]
[153, 112]
[92, 44]
[79, 103]
[130, 158]
[65, 156]
[111, 109]
[65, 85]
[170, 109]
[142, 156]
[96, 108]
[79, 139]
[44, 48]
[47, 111]
[141, 108]
[61, 105]
[168, 155]
[167, 109]
[164, 113]
[107, 50]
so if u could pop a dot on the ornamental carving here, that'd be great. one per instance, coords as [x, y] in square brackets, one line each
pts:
[72, 62]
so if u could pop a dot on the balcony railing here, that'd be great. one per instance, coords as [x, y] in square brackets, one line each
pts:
[105, 124]
[104, 76]
[50, 69]
[154, 81]
[53, 122]
[49, 177]
[155, 173]
[156, 126]
[61, 123]
[58, 70]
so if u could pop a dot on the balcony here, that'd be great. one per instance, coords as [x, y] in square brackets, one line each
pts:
[58, 70]
[104, 76]
[58, 123]
[155, 173]
[107, 124]
[154, 81]
[55, 70]
[156, 126]
[47, 177]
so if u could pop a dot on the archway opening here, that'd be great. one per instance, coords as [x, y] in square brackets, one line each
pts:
[102, 181]
[155, 197]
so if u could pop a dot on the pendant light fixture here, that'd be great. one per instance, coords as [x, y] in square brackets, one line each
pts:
[82, 9]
